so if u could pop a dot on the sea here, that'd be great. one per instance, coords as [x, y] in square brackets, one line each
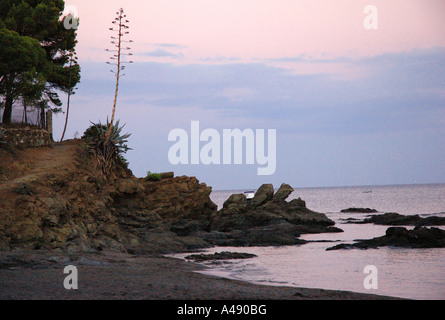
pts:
[399, 272]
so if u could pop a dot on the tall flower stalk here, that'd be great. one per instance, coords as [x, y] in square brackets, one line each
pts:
[119, 53]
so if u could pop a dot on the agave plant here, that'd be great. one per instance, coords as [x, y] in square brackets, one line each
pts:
[107, 150]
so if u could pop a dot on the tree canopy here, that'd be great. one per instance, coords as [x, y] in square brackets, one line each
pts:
[34, 53]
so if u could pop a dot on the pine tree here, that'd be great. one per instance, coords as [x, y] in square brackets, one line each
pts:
[34, 41]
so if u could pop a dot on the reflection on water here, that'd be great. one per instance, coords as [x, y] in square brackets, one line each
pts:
[409, 273]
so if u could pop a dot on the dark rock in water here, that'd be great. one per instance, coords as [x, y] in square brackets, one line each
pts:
[359, 210]
[283, 192]
[225, 255]
[263, 194]
[236, 203]
[267, 220]
[395, 219]
[298, 203]
[419, 237]
[274, 234]
[351, 219]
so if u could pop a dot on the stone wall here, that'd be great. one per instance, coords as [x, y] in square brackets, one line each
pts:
[26, 137]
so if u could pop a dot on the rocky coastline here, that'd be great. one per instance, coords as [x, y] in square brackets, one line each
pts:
[57, 208]
[74, 208]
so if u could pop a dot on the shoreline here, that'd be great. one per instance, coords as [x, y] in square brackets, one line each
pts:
[120, 276]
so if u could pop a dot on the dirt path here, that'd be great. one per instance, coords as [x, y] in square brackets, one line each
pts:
[43, 161]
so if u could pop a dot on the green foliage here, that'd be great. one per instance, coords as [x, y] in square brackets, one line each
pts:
[19, 53]
[153, 176]
[94, 132]
[107, 151]
[122, 161]
[118, 139]
[98, 131]
[34, 52]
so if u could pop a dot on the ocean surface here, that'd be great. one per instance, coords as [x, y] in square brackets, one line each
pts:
[407, 273]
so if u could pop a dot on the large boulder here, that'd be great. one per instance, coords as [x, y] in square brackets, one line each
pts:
[396, 219]
[263, 194]
[359, 210]
[283, 192]
[236, 202]
[269, 220]
[419, 237]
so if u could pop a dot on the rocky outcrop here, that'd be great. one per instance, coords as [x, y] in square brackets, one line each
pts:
[267, 219]
[395, 219]
[359, 210]
[264, 194]
[68, 204]
[419, 237]
[78, 209]
[225, 255]
[283, 193]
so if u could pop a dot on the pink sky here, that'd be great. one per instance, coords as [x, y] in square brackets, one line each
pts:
[256, 30]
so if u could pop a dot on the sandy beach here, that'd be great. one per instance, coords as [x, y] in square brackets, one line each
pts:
[104, 276]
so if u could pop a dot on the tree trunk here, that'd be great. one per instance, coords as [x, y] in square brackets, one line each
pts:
[25, 112]
[9, 99]
[7, 112]
[42, 117]
[66, 118]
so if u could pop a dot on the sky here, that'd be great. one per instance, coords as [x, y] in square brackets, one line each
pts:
[350, 105]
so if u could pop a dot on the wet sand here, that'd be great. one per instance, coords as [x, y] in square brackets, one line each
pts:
[104, 276]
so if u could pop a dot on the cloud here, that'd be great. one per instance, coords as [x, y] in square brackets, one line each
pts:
[385, 127]
[162, 53]
[397, 92]
[236, 94]
[304, 58]
[170, 45]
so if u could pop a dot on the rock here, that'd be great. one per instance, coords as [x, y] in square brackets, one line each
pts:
[185, 228]
[225, 255]
[263, 194]
[395, 219]
[359, 210]
[236, 202]
[273, 222]
[419, 237]
[167, 175]
[77, 210]
[279, 233]
[129, 186]
[298, 203]
[283, 192]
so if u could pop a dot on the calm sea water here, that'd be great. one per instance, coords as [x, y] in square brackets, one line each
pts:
[408, 273]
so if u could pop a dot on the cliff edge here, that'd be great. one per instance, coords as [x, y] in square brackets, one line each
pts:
[57, 198]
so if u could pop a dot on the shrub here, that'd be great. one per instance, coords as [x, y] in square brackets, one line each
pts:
[107, 151]
[94, 132]
[153, 176]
